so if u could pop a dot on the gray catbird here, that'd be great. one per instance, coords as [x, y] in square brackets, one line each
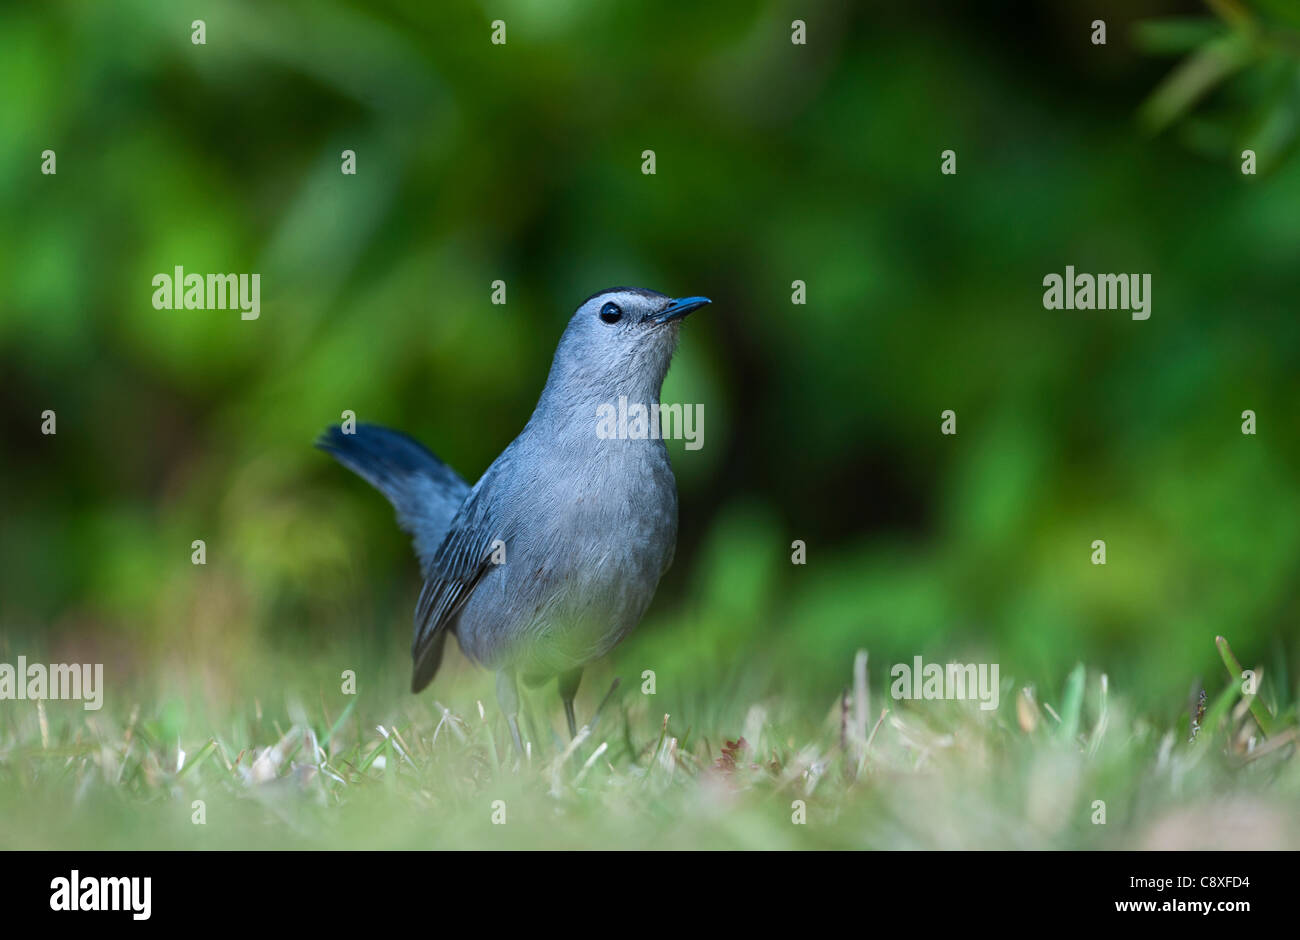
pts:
[553, 556]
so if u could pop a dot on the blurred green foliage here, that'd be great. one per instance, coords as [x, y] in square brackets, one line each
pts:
[521, 162]
[1249, 54]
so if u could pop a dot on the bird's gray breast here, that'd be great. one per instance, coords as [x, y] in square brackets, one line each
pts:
[592, 527]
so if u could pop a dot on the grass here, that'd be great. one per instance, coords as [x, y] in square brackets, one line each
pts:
[865, 771]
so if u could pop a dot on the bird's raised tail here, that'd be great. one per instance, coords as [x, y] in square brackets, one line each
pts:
[425, 491]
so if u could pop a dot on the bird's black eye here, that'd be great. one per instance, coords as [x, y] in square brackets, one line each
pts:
[611, 313]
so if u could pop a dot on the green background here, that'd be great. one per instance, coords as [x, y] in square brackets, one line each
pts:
[775, 162]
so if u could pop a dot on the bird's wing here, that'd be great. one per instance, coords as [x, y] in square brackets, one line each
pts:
[460, 562]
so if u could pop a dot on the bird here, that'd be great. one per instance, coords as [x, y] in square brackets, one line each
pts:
[554, 555]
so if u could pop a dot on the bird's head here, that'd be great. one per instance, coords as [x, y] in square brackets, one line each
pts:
[620, 341]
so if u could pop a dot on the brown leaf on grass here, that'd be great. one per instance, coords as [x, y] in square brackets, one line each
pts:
[731, 752]
[1027, 713]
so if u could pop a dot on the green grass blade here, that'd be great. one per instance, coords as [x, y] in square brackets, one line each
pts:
[1257, 709]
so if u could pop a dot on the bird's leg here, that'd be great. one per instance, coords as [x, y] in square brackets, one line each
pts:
[568, 686]
[508, 698]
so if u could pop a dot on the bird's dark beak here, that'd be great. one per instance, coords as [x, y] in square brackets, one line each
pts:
[679, 308]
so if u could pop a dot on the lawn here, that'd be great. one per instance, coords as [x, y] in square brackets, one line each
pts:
[736, 767]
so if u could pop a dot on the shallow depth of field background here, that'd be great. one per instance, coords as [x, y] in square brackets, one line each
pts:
[775, 163]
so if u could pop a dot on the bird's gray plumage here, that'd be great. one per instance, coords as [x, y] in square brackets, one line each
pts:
[587, 524]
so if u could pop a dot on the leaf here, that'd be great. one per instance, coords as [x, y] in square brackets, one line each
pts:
[732, 751]
[1195, 77]
[1027, 713]
[1072, 704]
[1257, 709]
[1176, 35]
[339, 724]
[199, 758]
[1286, 11]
